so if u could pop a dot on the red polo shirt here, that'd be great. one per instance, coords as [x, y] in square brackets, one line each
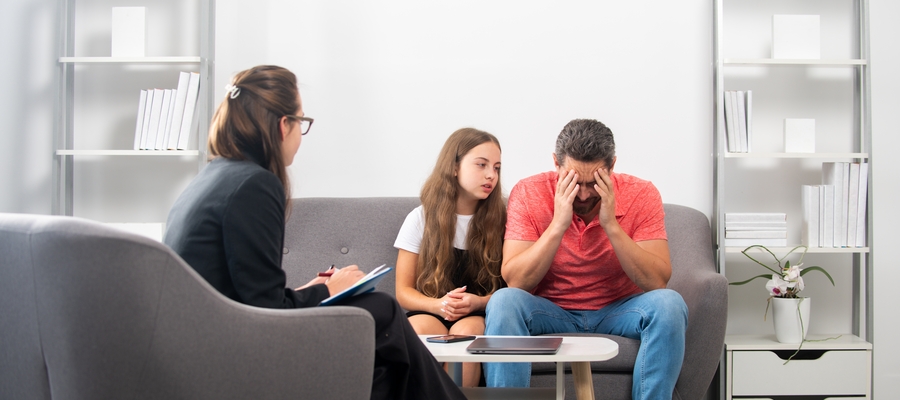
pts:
[585, 274]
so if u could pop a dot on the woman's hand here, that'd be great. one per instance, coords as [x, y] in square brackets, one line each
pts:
[457, 304]
[343, 278]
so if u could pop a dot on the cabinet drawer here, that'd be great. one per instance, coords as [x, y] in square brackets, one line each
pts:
[835, 372]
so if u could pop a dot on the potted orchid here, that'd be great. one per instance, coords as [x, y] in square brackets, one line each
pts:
[789, 310]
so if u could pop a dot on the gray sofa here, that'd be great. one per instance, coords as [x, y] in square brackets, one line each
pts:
[343, 231]
[91, 312]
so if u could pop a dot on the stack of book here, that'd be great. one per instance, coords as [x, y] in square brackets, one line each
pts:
[747, 229]
[165, 116]
[834, 213]
[738, 126]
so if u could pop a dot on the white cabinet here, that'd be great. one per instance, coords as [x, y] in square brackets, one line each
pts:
[755, 367]
[832, 90]
[96, 173]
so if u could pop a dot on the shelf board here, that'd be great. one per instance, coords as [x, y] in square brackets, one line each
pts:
[811, 250]
[128, 153]
[811, 63]
[797, 155]
[131, 60]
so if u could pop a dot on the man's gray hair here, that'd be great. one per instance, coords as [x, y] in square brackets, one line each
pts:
[586, 140]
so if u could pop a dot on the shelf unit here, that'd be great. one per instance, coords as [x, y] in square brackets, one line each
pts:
[133, 72]
[834, 90]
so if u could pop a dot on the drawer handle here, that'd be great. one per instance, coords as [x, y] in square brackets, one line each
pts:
[801, 355]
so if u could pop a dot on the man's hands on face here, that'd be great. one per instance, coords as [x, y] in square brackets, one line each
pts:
[603, 186]
[566, 191]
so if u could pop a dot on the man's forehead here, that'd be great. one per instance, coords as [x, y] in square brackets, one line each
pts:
[583, 168]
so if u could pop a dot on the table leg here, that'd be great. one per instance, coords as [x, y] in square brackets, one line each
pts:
[584, 382]
[454, 369]
[560, 380]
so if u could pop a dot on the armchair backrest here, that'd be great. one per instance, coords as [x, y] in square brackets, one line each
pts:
[92, 312]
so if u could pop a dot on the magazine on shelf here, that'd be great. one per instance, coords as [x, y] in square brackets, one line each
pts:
[364, 285]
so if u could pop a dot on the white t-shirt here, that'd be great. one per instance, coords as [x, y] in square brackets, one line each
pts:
[410, 236]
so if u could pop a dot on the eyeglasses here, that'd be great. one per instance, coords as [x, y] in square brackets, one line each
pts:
[305, 123]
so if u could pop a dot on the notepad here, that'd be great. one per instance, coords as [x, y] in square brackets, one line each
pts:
[364, 285]
[515, 345]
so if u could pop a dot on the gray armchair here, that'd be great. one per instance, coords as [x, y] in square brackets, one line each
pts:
[90, 312]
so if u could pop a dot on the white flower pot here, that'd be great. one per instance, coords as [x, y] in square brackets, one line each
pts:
[791, 319]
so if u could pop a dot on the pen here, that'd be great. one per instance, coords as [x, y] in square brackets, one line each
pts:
[327, 273]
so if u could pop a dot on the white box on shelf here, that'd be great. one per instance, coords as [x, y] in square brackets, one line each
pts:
[128, 31]
[799, 135]
[795, 37]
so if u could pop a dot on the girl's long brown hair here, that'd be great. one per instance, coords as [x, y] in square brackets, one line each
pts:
[484, 240]
[246, 125]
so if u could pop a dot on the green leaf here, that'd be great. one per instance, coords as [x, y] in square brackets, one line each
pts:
[807, 269]
[766, 276]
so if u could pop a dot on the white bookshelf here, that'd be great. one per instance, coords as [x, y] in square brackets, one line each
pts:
[833, 90]
[94, 161]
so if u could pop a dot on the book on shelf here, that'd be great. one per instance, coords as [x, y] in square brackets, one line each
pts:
[155, 111]
[827, 219]
[748, 109]
[145, 129]
[190, 105]
[139, 126]
[775, 234]
[852, 202]
[742, 121]
[861, 205]
[730, 137]
[163, 120]
[809, 228]
[755, 217]
[739, 242]
[756, 226]
[363, 285]
[833, 174]
[174, 129]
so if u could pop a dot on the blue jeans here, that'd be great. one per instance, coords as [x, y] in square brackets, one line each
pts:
[657, 318]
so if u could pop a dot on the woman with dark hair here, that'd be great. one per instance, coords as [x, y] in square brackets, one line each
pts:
[228, 225]
[450, 247]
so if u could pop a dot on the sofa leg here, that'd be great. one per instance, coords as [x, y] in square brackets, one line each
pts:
[584, 382]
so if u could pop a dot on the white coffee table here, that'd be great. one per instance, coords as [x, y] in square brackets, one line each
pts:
[578, 350]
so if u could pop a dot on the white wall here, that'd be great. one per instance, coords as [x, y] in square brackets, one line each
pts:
[387, 82]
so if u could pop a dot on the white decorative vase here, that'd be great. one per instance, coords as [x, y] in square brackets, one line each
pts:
[791, 319]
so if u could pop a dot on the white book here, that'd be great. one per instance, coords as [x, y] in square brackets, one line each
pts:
[828, 218]
[742, 120]
[190, 104]
[730, 137]
[749, 111]
[833, 174]
[795, 37]
[139, 126]
[155, 111]
[163, 119]
[178, 110]
[755, 217]
[861, 227]
[756, 226]
[128, 32]
[145, 129]
[737, 242]
[852, 203]
[777, 234]
[822, 192]
[809, 232]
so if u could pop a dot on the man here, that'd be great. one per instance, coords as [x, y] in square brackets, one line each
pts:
[586, 251]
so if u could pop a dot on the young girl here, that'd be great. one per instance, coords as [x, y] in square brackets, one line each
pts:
[228, 225]
[450, 247]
